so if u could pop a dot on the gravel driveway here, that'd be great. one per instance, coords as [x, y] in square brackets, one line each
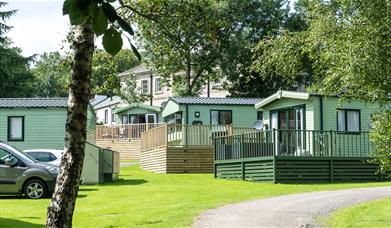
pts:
[298, 210]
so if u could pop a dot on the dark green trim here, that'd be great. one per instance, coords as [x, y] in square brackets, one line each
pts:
[243, 160]
[9, 139]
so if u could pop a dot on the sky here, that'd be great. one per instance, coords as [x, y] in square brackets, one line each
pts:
[39, 26]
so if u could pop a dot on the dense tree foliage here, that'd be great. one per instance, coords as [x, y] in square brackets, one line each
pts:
[346, 41]
[52, 73]
[345, 51]
[204, 39]
[15, 77]
[4, 15]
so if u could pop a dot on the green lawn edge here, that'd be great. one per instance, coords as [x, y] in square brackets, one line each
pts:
[376, 213]
[146, 199]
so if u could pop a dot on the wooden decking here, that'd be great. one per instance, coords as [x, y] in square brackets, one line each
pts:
[295, 156]
[182, 148]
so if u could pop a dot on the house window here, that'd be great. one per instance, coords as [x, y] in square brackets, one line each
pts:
[144, 86]
[348, 120]
[15, 128]
[137, 119]
[221, 117]
[259, 115]
[113, 118]
[106, 116]
[158, 86]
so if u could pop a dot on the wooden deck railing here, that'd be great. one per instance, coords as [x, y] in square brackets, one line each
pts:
[123, 131]
[154, 138]
[293, 143]
[188, 135]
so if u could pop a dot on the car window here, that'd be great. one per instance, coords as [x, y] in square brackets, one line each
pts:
[43, 156]
[52, 157]
[4, 155]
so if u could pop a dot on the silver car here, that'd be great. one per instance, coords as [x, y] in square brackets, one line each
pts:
[22, 174]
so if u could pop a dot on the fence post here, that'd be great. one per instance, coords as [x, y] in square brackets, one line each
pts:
[274, 141]
[331, 143]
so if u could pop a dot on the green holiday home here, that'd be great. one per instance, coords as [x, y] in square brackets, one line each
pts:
[185, 143]
[39, 123]
[304, 138]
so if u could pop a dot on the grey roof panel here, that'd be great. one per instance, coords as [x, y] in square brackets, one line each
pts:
[216, 101]
[108, 102]
[61, 102]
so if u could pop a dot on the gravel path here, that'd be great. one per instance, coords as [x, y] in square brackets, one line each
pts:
[298, 210]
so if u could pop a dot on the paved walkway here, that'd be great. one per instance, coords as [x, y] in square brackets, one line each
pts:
[298, 210]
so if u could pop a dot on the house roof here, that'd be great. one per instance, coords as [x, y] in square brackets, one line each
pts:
[108, 102]
[61, 102]
[142, 68]
[215, 100]
[137, 105]
[97, 99]
[282, 94]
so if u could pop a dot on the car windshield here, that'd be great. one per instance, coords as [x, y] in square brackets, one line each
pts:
[21, 154]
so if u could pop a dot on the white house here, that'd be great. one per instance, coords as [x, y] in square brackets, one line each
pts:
[149, 82]
[104, 109]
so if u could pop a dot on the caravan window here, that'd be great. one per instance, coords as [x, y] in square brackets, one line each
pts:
[15, 128]
[221, 117]
[348, 120]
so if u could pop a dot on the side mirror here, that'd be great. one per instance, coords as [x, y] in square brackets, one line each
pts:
[11, 162]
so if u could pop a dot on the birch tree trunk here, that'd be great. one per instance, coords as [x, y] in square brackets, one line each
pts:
[60, 211]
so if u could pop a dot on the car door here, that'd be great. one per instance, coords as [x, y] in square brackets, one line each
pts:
[9, 175]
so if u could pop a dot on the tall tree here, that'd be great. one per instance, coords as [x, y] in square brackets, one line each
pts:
[4, 15]
[203, 39]
[15, 77]
[347, 49]
[51, 72]
[51, 75]
[89, 17]
[105, 70]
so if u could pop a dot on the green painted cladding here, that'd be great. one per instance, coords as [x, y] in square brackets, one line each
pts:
[43, 127]
[330, 106]
[171, 107]
[91, 125]
[242, 115]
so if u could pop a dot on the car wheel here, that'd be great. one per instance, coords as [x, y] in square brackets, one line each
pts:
[35, 189]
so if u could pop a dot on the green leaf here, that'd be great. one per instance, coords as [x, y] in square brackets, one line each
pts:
[125, 26]
[112, 41]
[66, 6]
[99, 24]
[77, 14]
[110, 12]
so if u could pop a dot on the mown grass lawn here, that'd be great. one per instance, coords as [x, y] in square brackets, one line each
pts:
[373, 214]
[144, 199]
